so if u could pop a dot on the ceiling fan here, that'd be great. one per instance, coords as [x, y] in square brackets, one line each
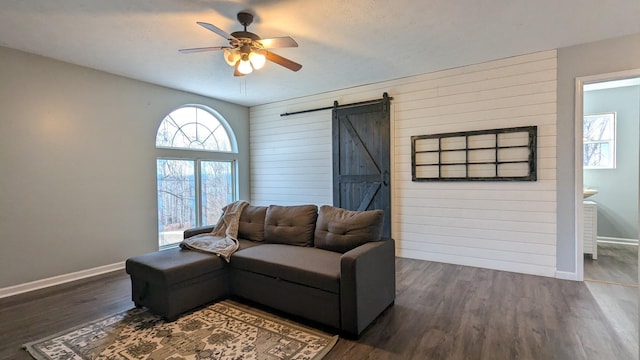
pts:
[247, 51]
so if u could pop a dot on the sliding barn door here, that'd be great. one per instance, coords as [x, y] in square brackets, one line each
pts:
[361, 159]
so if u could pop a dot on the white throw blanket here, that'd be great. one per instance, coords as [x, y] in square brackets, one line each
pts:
[223, 239]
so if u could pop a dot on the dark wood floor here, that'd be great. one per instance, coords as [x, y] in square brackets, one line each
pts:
[617, 263]
[442, 311]
[613, 281]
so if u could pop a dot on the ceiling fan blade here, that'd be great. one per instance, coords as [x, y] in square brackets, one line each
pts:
[210, 48]
[216, 30]
[279, 42]
[289, 64]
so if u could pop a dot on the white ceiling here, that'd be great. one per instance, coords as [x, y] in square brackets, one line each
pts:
[342, 43]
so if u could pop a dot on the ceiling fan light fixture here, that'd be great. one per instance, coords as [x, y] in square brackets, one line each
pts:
[257, 59]
[244, 67]
[231, 56]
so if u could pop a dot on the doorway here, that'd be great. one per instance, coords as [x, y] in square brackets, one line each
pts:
[612, 278]
[611, 151]
[597, 82]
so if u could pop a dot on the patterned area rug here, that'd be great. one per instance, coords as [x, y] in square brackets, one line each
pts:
[224, 330]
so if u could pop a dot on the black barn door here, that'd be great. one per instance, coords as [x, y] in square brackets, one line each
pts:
[361, 159]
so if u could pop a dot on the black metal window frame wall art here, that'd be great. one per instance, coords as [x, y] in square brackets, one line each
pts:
[507, 154]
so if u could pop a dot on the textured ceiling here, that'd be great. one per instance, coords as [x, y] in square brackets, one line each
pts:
[342, 43]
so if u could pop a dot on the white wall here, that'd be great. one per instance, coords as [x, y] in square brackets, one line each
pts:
[290, 156]
[77, 165]
[499, 225]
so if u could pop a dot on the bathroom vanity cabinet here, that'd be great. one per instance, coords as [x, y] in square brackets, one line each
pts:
[590, 228]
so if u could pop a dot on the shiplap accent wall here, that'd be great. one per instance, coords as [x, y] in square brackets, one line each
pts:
[499, 225]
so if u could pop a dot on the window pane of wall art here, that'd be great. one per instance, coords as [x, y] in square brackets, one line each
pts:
[176, 199]
[217, 189]
[599, 135]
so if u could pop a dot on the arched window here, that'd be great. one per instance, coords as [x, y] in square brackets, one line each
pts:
[195, 172]
[193, 127]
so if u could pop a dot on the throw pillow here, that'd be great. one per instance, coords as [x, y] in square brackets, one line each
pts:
[251, 225]
[292, 225]
[341, 230]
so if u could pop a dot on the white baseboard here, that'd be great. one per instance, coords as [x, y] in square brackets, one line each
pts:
[614, 240]
[60, 279]
[565, 275]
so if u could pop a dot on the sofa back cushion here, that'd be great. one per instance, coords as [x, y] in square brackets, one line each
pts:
[292, 225]
[342, 230]
[251, 225]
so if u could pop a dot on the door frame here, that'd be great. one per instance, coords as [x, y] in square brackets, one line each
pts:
[579, 176]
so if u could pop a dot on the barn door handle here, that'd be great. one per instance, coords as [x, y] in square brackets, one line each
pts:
[385, 178]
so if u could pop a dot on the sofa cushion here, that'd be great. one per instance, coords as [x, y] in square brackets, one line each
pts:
[173, 266]
[243, 244]
[342, 230]
[251, 225]
[292, 225]
[309, 266]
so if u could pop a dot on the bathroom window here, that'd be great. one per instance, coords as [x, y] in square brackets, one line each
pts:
[599, 139]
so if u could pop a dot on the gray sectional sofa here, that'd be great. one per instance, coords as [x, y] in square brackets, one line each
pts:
[328, 265]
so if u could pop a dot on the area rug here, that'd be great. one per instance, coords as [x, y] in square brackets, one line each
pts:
[224, 330]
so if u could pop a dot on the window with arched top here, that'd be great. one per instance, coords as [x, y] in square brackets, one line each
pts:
[196, 172]
[195, 128]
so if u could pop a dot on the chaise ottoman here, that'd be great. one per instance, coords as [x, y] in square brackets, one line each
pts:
[174, 281]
